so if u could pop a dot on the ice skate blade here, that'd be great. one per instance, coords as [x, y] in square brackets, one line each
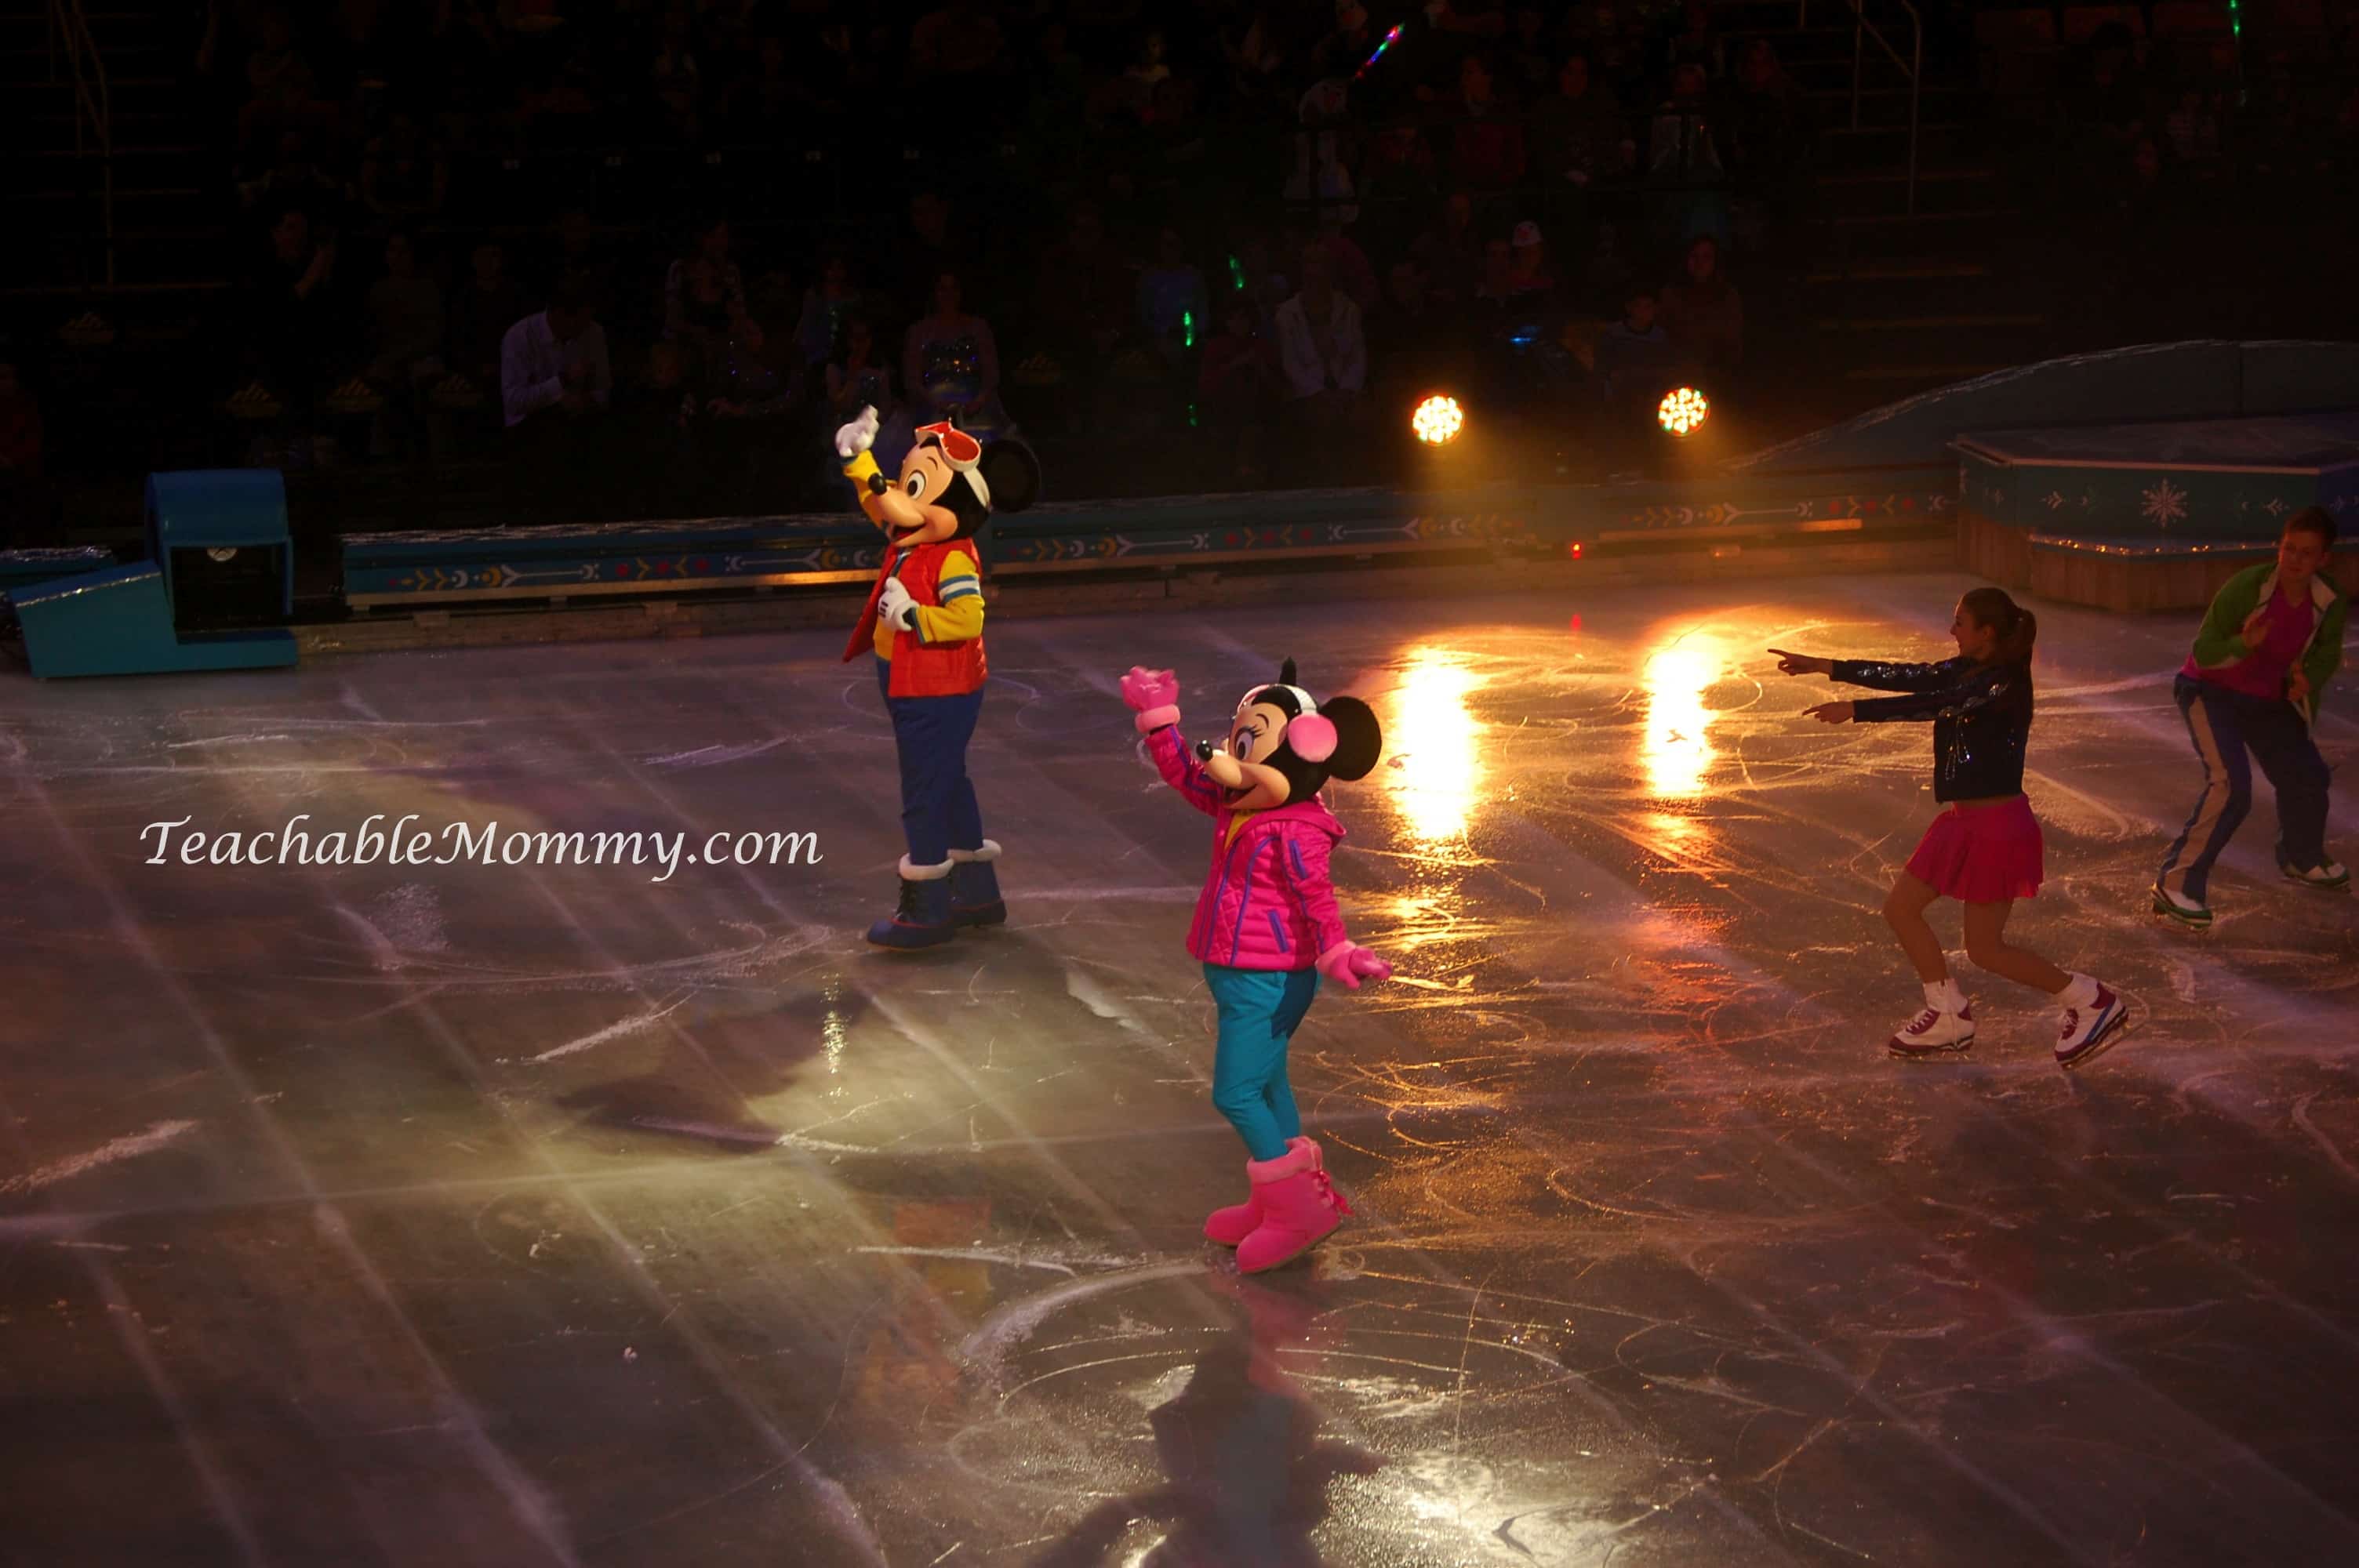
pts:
[2100, 1045]
[2186, 920]
[1928, 1053]
[2333, 884]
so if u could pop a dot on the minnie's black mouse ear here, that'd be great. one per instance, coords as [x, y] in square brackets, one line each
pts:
[1013, 473]
[1285, 674]
[1359, 741]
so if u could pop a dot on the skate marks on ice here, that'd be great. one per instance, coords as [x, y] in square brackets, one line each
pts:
[1656, 1257]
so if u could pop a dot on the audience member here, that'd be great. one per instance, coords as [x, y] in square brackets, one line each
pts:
[405, 316]
[482, 310]
[858, 377]
[1451, 253]
[1698, 42]
[1528, 273]
[1703, 314]
[654, 434]
[1398, 188]
[1530, 66]
[678, 83]
[703, 292]
[1173, 306]
[1408, 334]
[949, 363]
[961, 39]
[1578, 132]
[1634, 355]
[402, 178]
[584, 254]
[293, 311]
[555, 383]
[1355, 275]
[1320, 345]
[1084, 298]
[930, 246]
[769, 102]
[1238, 384]
[296, 178]
[1773, 130]
[1486, 145]
[828, 305]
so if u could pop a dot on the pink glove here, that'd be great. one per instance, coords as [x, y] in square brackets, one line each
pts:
[1347, 965]
[1154, 696]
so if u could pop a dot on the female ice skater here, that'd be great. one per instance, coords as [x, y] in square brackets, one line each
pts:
[1984, 851]
[1267, 928]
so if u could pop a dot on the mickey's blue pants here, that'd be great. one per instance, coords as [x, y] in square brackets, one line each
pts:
[1260, 1010]
[938, 813]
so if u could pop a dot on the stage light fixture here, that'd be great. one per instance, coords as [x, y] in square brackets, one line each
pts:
[1683, 411]
[1438, 419]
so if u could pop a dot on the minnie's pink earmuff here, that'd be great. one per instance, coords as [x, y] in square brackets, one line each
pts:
[1312, 737]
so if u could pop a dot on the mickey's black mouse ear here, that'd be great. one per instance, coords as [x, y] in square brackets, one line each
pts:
[1285, 674]
[1013, 473]
[1359, 741]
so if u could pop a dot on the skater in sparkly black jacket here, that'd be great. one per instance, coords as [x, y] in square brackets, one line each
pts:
[1986, 851]
[1980, 714]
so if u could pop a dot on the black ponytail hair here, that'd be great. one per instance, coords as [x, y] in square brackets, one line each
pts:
[2016, 627]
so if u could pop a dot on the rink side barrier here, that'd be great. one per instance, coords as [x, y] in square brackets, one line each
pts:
[1297, 530]
[215, 591]
[2145, 516]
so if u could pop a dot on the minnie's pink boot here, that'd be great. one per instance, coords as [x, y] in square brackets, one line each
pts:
[1300, 1207]
[1232, 1224]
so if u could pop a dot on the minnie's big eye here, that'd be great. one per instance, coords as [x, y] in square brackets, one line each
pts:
[915, 484]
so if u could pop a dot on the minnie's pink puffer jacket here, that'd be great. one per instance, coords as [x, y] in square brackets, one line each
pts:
[1267, 903]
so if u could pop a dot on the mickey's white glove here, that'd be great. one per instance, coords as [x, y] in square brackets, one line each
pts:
[856, 437]
[895, 608]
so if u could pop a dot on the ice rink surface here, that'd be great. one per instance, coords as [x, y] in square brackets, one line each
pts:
[515, 1215]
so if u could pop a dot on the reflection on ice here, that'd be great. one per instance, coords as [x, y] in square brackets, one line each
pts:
[1678, 750]
[1436, 741]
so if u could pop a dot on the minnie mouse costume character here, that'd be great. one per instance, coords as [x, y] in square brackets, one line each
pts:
[924, 626]
[1267, 928]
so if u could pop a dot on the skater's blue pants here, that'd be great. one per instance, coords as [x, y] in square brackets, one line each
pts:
[938, 809]
[2224, 725]
[1260, 1010]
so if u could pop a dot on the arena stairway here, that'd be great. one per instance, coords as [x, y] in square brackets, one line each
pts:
[1892, 301]
[169, 219]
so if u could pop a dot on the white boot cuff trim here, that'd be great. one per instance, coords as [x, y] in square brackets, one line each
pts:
[916, 874]
[990, 851]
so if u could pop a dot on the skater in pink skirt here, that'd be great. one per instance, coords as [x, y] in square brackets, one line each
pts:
[1984, 851]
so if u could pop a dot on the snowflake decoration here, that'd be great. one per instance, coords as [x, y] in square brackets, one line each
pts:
[2165, 504]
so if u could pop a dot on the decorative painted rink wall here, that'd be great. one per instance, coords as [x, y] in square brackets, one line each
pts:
[2149, 516]
[1292, 530]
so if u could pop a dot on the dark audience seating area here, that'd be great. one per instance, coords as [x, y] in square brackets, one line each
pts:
[1199, 246]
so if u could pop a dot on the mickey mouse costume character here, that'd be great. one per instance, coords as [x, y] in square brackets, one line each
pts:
[1267, 928]
[924, 626]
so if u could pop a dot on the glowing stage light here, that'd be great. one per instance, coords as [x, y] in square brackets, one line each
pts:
[1684, 412]
[1438, 419]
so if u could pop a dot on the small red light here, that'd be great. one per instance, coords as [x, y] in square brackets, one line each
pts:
[1573, 625]
[1573, 549]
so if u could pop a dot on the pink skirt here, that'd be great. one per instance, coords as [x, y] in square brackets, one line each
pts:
[1988, 855]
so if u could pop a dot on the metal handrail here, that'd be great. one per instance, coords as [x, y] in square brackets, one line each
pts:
[93, 108]
[1913, 68]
